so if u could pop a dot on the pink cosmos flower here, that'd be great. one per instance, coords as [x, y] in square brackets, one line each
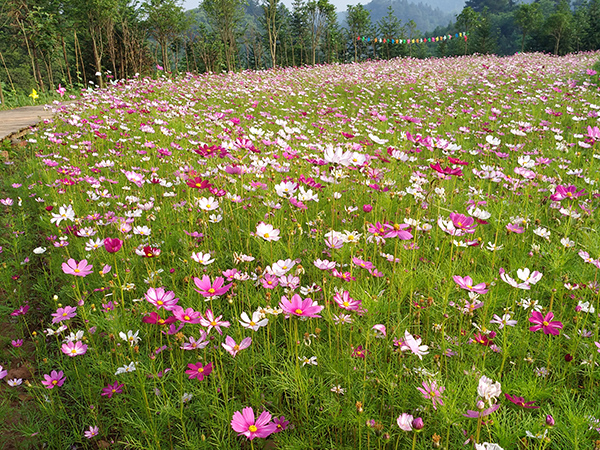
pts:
[269, 281]
[74, 348]
[210, 321]
[194, 344]
[233, 348]
[513, 228]
[563, 192]
[344, 301]
[362, 263]
[414, 345]
[405, 422]
[397, 230]
[245, 425]
[298, 307]
[324, 264]
[433, 392]
[481, 413]
[112, 389]
[161, 298]
[462, 222]
[546, 324]
[80, 269]
[379, 330]
[54, 379]
[199, 371]
[208, 290]
[66, 313]
[188, 315]
[91, 432]
[467, 283]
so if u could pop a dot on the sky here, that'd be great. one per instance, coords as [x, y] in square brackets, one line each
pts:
[340, 5]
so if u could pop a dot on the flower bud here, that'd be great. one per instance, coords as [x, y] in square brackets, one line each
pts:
[549, 420]
[367, 208]
[480, 404]
[418, 424]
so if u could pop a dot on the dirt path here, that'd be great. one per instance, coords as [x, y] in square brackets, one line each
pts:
[14, 121]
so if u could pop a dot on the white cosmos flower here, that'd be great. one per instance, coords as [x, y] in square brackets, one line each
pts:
[207, 204]
[202, 258]
[39, 250]
[267, 232]
[255, 323]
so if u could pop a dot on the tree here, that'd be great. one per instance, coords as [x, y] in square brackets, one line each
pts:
[165, 20]
[225, 17]
[528, 17]
[272, 21]
[359, 21]
[412, 33]
[389, 28]
[467, 21]
[320, 15]
[558, 25]
[492, 6]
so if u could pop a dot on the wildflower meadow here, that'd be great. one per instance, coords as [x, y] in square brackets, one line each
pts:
[395, 254]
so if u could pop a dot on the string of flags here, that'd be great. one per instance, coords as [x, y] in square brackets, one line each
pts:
[445, 37]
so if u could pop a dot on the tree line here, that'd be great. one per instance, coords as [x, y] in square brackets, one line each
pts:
[74, 43]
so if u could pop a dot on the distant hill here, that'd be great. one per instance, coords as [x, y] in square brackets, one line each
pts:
[450, 6]
[426, 17]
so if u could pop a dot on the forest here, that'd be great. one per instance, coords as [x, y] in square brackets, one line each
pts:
[50, 44]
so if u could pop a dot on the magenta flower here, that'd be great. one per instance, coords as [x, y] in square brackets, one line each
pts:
[245, 425]
[113, 245]
[54, 379]
[3, 372]
[298, 307]
[188, 315]
[206, 289]
[154, 318]
[66, 313]
[74, 348]
[362, 263]
[433, 392]
[520, 401]
[161, 298]
[563, 192]
[80, 269]
[467, 283]
[199, 371]
[280, 423]
[112, 389]
[545, 323]
[462, 222]
[233, 348]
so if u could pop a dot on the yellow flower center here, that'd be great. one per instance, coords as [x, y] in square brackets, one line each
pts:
[236, 347]
[545, 323]
[160, 302]
[74, 351]
[346, 304]
[77, 271]
[251, 323]
[266, 235]
[198, 185]
[252, 429]
[298, 311]
[64, 314]
[186, 317]
[54, 382]
[211, 291]
[200, 369]
[213, 323]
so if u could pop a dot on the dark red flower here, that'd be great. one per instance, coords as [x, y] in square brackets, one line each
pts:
[155, 319]
[198, 183]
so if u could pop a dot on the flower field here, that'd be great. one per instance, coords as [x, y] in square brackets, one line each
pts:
[388, 255]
